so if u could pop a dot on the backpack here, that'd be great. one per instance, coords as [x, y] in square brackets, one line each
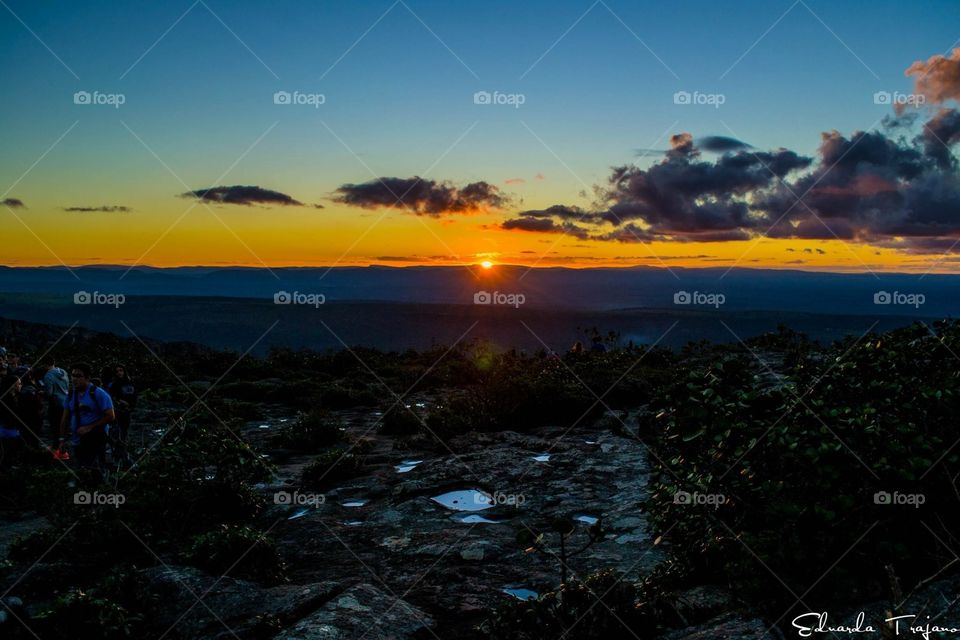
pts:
[64, 378]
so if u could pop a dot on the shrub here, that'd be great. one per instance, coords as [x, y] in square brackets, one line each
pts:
[241, 551]
[572, 606]
[801, 477]
[311, 431]
[400, 421]
[80, 614]
[330, 467]
[339, 396]
[198, 476]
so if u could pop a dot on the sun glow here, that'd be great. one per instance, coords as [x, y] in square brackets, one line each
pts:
[486, 264]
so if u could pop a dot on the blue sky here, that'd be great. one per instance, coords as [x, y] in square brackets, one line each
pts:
[399, 98]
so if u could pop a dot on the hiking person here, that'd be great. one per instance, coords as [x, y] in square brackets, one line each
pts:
[86, 413]
[56, 386]
[30, 408]
[10, 441]
[124, 394]
[13, 362]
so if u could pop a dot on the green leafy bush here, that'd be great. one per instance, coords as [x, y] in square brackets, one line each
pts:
[804, 467]
[311, 431]
[240, 551]
[572, 611]
[330, 467]
[400, 421]
[79, 614]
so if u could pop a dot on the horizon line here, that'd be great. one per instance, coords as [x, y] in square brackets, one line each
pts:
[469, 265]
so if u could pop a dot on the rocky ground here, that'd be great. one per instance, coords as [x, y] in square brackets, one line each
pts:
[385, 531]
[380, 557]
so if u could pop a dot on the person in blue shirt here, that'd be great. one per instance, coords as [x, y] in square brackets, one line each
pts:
[86, 413]
[10, 441]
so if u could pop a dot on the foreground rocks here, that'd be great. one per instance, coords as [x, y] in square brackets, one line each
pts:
[360, 612]
[198, 605]
[451, 564]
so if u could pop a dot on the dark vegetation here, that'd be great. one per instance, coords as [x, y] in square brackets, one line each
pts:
[801, 442]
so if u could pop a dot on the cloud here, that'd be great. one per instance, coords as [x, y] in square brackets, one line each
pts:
[245, 195]
[713, 144]
[683, 195]
[546, 225]
[422, 196]
[514, 181]
[720, 144]
[105, 208]
[939, 134]
[898, 188]
[561, 212]
[938, 79]
[871, 188]
[13, 203]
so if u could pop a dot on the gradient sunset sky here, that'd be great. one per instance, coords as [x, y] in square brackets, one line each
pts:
[93, 183]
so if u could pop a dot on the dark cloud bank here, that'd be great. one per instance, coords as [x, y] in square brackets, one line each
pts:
[898, 187]
[422, 196]
[244, 195]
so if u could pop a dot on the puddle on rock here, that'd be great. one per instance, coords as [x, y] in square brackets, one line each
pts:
[406, 466]
[521, 593]
[355, 503]
[299, 514]
[353, 523]
[591, 520]
[465, 500]
[475, 519]
[543, 457]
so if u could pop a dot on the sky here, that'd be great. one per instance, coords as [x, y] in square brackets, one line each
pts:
[594, 133]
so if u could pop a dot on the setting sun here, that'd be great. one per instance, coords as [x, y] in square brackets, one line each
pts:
[486, 264]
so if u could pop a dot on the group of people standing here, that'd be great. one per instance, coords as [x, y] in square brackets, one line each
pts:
[75, 415]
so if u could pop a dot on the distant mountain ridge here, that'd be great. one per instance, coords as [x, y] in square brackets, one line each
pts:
[552, 287]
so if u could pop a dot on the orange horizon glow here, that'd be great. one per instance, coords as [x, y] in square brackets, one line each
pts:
[239, 237]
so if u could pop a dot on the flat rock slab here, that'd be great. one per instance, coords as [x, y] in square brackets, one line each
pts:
[453, 568]
[728, 627]
[228, 606]
[363, 611]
